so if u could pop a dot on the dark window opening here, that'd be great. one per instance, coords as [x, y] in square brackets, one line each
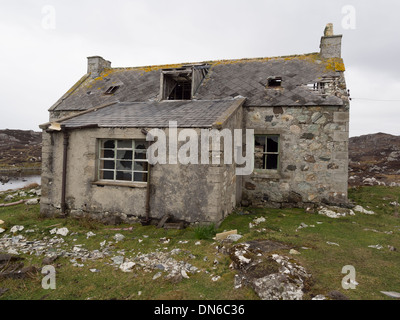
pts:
[274, 82]
[181, 91]
[111, 90]
[266, 152]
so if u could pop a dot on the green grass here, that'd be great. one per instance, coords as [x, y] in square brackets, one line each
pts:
[376, 270]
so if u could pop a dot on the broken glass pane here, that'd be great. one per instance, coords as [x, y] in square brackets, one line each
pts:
[109, 144]
[124, 154]
[272, 143]
[124, 165]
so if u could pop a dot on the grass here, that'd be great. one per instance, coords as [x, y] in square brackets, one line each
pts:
[376, 270]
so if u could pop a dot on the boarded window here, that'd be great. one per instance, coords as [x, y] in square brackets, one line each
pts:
[123, 160]
[266, 152]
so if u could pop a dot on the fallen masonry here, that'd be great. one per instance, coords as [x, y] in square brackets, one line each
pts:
[272, 276]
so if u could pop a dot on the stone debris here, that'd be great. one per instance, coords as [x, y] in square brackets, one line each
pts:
[119, 237]
[301, 226]
[127, 266]
[333, 243]
[272, 276]
[319, 297]
[256, 221]
[335, 212]
[15, 229]
[376, 246]
[293, 251]
[234, 237]
[215, 278]
[359, 208]
[90, 234]
[32, 201]
[61, 231]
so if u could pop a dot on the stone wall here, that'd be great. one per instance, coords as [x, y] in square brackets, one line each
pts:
[313, 156]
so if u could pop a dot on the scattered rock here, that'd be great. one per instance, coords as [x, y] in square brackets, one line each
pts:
[333, 243]
[334, 212]
[359, 208]
[119, 237]
[376, 246]
[336, 295]
[293, 251]
[127, 266]
[61, 231]
[32, 201]
[15, 229]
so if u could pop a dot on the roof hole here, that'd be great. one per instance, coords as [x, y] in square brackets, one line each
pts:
[111, 90]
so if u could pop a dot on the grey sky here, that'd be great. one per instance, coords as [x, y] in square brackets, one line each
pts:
[40, 63]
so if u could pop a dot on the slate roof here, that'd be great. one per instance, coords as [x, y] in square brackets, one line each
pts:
[200, 114]
[225, 80]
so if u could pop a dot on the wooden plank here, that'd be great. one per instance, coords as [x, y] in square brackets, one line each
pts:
[163, 220]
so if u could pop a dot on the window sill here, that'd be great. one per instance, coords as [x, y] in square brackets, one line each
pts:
[120, 184]
[266, 174]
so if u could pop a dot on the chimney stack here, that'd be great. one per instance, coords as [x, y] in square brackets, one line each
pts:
[96, 65]
[331, 45]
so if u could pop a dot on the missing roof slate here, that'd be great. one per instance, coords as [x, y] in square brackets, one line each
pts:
[274, 82]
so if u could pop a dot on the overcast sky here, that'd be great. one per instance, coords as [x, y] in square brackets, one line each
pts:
[44, 46]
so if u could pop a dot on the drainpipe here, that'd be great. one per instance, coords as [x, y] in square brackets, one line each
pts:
[64, 170]
[147, 218]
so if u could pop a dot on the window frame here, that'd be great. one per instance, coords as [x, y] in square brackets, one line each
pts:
[116, 161]
[266, 153]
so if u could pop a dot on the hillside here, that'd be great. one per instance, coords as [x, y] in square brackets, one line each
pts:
[20, 148]
[374, 159]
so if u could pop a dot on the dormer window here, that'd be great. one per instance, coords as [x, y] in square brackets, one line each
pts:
[182, 83]
[274, 82]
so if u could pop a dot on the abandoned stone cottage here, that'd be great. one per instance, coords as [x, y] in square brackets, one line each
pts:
[94, 145]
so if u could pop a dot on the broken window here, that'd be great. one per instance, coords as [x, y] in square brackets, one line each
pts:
[123, 160]
[274, 82]
[111, 90]
[266, 152]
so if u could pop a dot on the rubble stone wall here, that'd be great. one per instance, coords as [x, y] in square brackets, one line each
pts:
[313, 160]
